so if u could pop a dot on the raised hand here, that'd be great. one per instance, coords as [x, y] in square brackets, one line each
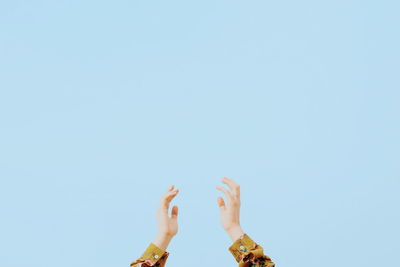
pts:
[230, 210]
[167, 225]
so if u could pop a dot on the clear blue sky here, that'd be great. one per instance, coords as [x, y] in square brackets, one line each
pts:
[104, 104]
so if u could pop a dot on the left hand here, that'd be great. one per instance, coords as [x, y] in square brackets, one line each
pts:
[167, 225]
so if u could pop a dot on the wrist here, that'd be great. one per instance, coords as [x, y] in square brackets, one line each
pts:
[235, 233]
[162, 240]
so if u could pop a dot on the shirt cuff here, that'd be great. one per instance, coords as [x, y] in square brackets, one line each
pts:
[241, 248]
[153, 254]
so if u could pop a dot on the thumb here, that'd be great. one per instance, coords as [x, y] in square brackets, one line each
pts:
[174, 212]
[221, 203]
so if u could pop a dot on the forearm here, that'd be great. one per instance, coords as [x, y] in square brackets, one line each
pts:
[162, 241]
[248, 253]
[151, 256]
[235, 233]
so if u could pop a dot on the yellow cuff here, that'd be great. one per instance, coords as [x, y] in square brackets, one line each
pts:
[241, 247]
[153, 253]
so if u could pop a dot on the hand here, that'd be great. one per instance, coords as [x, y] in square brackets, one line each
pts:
[167, 225]
[230, 211]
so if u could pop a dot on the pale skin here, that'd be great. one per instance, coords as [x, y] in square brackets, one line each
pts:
[230, 210]
[167, 222]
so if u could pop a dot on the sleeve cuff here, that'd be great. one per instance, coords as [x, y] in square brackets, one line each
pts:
[153, 254]
[241, 247]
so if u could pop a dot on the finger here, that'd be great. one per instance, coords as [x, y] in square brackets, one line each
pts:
[171, 196]
[169, 192]
[174, 212]
[221, 203]
[226, 192]
[170, 188]
[167, 198]
[232, 185]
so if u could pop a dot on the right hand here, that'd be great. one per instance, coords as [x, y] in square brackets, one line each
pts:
[230, 210]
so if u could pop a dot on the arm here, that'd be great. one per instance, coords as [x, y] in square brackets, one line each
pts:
[155, 253]
[245, 251]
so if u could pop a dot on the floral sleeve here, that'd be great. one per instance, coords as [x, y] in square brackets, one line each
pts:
[249, 254]
[152, 256]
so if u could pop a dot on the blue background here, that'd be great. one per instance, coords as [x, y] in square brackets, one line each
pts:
[104, 104]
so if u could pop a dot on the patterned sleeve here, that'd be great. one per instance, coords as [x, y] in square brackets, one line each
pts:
[152, 256]
[249, 254]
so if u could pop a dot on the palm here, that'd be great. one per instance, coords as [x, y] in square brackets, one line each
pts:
[173, 226]
[167, 225]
